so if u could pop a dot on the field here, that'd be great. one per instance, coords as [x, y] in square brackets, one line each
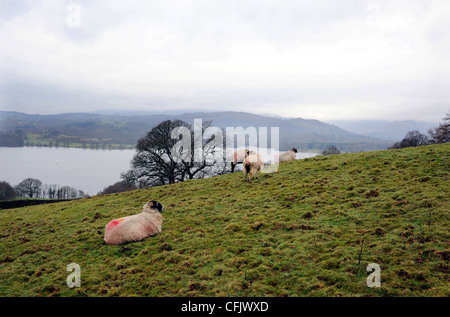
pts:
[310, 229]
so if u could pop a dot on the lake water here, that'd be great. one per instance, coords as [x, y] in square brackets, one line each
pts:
[85, 169]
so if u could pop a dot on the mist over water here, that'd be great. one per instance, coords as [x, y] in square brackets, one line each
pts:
[85, 169]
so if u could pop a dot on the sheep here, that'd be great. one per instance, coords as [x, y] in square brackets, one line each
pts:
[252, 164]
[136, 227]
[239, 157]
[287, 156]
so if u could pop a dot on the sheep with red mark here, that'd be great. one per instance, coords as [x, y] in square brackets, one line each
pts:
[136, 227]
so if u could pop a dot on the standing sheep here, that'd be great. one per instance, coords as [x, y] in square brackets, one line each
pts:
[135, 227]
[239, 157]
[252, 164]
[287, 156]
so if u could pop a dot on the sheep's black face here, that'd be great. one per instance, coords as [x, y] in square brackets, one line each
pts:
[294, 149]
[156, 205]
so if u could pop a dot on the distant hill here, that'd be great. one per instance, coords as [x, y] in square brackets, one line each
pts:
[397, 130]
[387, 130]
[310, 229]
[97, 130]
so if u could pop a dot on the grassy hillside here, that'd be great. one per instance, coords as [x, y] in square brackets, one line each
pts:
[308, 230]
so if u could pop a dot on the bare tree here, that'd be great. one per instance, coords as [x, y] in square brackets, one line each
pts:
[118, 187]
[159, 160]
[331, 150]
[207, 141]
[412, 139]
[30, 187]
[67, 192]
[54, 191]
[153, 163]
[6, 191]
[81, 194]
[441, 134]
[49, 191]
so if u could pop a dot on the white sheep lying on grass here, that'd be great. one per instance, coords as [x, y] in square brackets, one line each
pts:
[287, 156]
[135, 227]
[252, 164]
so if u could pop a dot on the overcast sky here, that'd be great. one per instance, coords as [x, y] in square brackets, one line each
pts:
[325, 60]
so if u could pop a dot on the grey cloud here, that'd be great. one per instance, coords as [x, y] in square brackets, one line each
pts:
[320, 59]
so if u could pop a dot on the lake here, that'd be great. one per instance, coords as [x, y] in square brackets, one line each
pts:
[85, 169]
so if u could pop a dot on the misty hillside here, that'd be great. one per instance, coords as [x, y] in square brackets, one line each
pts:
[397, 130]
[392, 131]
[95, 129]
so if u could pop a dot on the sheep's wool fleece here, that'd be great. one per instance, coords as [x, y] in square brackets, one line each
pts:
[239, 155]
[254, 160]
[287, 156]
[133, 228]
[252, 164]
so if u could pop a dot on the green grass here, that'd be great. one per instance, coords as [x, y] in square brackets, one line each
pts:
[297, 232]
